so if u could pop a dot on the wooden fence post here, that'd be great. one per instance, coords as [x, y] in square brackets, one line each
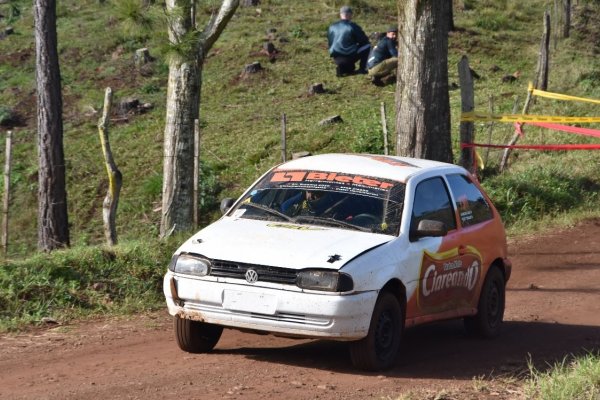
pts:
[467, 97]
[543, 62]
[567, 18]
[283, 138]
[490, 128]
[115, 179]
[7, 166]
[516, 135]
[385, 129]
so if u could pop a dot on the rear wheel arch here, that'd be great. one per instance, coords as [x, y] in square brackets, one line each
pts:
[498, 263]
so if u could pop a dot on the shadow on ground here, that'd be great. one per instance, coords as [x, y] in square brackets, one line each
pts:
[444, 351]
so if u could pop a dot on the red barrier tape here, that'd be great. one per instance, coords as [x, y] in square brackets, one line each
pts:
[567, 128]
[535, 146]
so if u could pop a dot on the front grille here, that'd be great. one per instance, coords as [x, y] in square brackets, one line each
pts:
[228, 269]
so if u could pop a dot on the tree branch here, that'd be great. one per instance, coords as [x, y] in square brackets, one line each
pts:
[217, 24]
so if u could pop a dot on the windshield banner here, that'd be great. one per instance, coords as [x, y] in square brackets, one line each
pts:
[331, 181]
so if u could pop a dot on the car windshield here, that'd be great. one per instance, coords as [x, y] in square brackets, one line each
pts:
[345, 201]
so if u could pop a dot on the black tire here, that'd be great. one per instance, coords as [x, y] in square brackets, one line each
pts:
[195, 336]
[490, 310]
[379, 349]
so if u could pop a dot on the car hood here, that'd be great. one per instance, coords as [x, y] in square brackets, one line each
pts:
[281, 244]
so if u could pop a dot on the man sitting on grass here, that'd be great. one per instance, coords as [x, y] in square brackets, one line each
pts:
[383, 60]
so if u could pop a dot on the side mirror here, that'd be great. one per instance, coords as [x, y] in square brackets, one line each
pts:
[428, 227]
[226, 204]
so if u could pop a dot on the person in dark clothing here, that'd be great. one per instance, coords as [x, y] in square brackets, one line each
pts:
[383, 60]
[348, 44]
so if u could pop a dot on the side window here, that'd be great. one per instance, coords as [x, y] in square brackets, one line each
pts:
[470, 202]
[432, 202]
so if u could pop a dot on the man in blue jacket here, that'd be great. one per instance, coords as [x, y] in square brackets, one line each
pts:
[348, 44]
[383, 60]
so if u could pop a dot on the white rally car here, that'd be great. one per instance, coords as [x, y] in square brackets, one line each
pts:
[344, 247]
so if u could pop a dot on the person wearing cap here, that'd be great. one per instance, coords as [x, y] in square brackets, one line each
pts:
[348, 44]
[383, 59]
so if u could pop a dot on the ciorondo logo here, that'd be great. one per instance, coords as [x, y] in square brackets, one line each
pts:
[465, 278]
[448, 277]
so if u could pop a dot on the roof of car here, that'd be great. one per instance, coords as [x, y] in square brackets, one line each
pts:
[389, 167]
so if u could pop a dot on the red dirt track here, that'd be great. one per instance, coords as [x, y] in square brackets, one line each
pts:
[552, 311]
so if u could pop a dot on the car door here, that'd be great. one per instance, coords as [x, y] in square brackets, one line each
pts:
[479, 230]
[449, 269]
[437, 256]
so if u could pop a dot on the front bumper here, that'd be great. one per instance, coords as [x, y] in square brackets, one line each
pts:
[276, 310]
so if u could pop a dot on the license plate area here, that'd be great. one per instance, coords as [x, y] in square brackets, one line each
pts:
[260, 303]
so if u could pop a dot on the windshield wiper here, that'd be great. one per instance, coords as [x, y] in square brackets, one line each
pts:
[268, 210]
[331, 222]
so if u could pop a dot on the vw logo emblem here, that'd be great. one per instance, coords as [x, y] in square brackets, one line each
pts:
[251, 276]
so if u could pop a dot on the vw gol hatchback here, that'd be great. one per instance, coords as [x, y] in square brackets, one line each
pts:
[344, 247]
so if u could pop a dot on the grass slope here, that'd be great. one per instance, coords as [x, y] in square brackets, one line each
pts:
[241, 117]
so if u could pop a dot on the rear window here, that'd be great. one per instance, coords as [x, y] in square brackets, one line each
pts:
[470, 202]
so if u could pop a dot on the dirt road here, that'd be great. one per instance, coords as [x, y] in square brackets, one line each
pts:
[552, 310]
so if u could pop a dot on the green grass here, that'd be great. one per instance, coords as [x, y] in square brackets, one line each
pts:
[83, 281]
[572, 379]
[240, 118]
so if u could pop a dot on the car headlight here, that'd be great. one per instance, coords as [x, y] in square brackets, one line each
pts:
[331, 281]
[190, 264]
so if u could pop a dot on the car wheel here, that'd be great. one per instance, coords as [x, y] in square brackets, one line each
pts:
[379, 349]
[195, 336]
[490, 310]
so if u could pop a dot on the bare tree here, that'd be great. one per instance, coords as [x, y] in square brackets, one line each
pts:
[183, 107]
[115, 178]
[422, 102]
[53, 224]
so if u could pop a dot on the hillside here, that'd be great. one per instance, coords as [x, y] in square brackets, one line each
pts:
[240, 116]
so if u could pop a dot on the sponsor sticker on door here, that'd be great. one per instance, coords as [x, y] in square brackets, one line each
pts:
[448, 277]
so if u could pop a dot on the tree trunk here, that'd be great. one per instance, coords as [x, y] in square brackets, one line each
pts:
[183, 108]
[53, 224]
[422, 102]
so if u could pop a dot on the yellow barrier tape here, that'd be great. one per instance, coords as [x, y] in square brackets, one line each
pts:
[558, 96]
[474, 116]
